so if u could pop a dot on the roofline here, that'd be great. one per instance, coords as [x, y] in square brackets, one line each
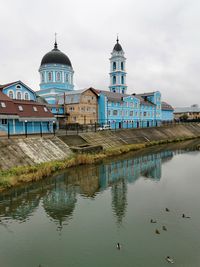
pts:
[13, 83]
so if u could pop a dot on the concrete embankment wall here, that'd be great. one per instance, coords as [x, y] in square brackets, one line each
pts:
[110, 139]
[29, 151]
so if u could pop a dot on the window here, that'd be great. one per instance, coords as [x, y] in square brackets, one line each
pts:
[20, 108]
[122, 66]
[122, 79]
[26, 96]
[3, 105]
[19, 95]
[4, 121]
[42, 77]
[108, 112]
[18, 87]
[131, 113]
[66, 77]
[35, 108]
[145, 113]
[115, 112]
[45, 109]
[114, 65]
[58, 76]
[11, 94]
[50, 76]
[114, 79]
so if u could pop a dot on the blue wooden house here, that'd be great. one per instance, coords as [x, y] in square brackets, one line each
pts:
[20, 113]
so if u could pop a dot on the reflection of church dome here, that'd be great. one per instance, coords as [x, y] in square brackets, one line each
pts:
[119, 201]
[55, 56]
[59, 204]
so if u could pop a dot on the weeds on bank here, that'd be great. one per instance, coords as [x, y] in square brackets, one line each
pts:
[24, 174]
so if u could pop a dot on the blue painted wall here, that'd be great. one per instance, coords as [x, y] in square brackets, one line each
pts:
[20, 89]
[18, 127]
[167, 115]
[129, 112]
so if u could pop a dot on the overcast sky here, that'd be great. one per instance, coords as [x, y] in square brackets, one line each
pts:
[160, 39]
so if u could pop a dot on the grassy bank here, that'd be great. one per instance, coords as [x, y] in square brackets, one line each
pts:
[24, 174]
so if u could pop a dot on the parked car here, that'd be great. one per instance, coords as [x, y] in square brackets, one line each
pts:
[104, 127]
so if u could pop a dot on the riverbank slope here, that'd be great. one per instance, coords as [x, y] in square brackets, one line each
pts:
[41, 157]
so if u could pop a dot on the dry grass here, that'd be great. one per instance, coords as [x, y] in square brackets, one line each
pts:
[24, 174]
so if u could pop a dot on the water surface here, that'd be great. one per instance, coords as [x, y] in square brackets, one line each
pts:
[77, 217]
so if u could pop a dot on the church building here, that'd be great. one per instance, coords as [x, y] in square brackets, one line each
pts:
[56, 75]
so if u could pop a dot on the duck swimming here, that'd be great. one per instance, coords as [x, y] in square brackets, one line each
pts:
[118, 246]
[157, 231]
[169, 259]
[164, 228]
[153, 221]
[184, 216]
[166, 209]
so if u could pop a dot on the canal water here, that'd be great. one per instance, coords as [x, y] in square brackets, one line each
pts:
[77, 217]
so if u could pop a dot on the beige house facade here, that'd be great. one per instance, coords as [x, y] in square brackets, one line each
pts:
[81, 106]
[190, 113]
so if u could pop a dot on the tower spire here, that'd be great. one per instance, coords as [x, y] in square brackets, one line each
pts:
[117, 70]
[55, 44]
[117, 38]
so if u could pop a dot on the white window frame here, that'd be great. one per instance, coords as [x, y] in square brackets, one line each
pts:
[11, 91]
[18, 92]
[26, 93]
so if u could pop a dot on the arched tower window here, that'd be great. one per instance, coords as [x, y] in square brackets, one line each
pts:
[114, 79]
[66, 77]
[114, 65]
[122, 65]
[122, 79]
[19, 95]
[58, 76]
[50, 76]
[42, 77]
[26, 96]
[11, 94]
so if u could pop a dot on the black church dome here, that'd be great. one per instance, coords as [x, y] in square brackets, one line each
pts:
[117, 47]
[55, 56]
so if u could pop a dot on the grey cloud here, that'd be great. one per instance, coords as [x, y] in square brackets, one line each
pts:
[160, 39]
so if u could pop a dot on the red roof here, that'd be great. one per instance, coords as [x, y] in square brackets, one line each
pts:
[28, 109]
[9, 108]
[12, 108]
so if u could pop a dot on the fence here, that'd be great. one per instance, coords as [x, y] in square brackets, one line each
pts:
[75, 128]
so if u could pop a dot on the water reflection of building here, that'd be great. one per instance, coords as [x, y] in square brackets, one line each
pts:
[86, 179]
[119, 199]
[19, 207]
[59, 202]
[131, 169]
[59, 194]
[118, 173]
